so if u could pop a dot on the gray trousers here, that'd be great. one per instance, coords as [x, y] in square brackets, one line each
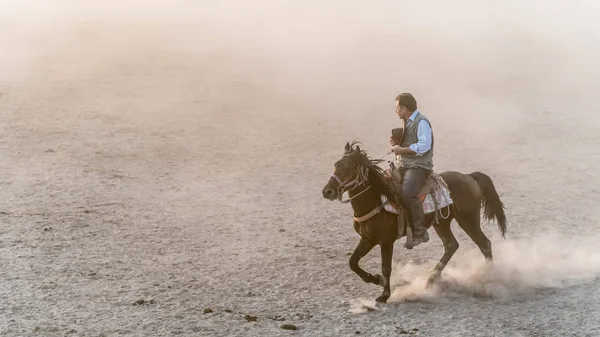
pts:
[412, 182]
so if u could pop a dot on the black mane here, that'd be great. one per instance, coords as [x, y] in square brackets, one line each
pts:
[376, 177]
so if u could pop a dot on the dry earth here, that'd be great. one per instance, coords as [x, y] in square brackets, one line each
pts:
[161, 165]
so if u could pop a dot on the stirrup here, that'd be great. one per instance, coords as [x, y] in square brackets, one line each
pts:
[410, 244]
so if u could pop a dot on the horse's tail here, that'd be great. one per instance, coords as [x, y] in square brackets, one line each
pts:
[493, 208]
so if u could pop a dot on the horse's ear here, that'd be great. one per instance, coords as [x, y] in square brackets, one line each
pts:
[357, 149]
[347, 148]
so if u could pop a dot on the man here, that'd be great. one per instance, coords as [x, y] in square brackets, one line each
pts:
[415, 152]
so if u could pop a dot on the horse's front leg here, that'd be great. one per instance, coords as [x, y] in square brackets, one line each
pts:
[387, 251]
[363, 248]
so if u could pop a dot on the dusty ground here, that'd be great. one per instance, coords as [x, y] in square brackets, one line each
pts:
[162, 164]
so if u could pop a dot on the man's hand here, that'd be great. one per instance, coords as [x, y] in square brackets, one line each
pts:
[399, 150]
[393, 142]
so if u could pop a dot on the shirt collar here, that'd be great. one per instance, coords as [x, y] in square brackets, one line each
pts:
[413, 116]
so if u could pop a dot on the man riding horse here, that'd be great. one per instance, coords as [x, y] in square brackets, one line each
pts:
[414, 160]
[370, 191]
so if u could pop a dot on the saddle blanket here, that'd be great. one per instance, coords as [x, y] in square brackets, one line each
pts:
[439, 197]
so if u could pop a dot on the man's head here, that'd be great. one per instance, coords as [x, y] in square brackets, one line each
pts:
[405, 105]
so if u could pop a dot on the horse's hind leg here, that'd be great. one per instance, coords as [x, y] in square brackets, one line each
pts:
[450, 246]
[363, 248]
[471, 224]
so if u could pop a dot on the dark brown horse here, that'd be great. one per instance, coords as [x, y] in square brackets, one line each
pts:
[364, 181]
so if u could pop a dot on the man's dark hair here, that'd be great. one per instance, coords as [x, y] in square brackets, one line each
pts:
[408, 101]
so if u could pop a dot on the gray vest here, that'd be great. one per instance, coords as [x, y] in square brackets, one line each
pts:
[410, 137]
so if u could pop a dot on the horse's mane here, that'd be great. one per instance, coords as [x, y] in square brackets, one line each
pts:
[378, 180]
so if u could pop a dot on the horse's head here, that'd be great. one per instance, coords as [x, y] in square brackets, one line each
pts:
[349, 172]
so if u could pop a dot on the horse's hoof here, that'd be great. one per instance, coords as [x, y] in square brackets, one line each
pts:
[382, 299]
[432, 280]
[429, 283]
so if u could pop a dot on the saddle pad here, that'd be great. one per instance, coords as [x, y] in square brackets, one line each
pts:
[438, 197]
[387, 205]
[440, 193]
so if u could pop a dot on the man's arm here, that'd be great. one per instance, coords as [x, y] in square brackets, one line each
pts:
[423, 144]
[399, 150]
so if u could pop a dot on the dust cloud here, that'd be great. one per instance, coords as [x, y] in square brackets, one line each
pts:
[521, 268]
[474, 66]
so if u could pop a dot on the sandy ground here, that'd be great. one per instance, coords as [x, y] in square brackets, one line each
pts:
[162, 166]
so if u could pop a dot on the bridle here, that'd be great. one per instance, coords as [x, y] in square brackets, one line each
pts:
[356, 179]
[362, 176]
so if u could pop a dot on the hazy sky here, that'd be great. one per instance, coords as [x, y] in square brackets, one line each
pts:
[497, 57]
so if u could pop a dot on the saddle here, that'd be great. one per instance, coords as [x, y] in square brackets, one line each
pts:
[430, 184]
[434, 195]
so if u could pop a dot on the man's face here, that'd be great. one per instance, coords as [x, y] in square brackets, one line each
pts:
[400, 110]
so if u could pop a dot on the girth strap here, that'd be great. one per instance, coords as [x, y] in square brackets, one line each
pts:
[369, 215]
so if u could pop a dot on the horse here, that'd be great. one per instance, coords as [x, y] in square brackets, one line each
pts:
[365, 182]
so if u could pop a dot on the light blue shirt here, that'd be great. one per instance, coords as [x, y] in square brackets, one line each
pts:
[424, 135]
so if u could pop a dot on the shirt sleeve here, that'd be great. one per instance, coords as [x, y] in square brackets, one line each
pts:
[424, 137]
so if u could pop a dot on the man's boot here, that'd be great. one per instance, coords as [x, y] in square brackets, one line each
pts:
[418, 224]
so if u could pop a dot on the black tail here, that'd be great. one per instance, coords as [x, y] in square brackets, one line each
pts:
[493, 208]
